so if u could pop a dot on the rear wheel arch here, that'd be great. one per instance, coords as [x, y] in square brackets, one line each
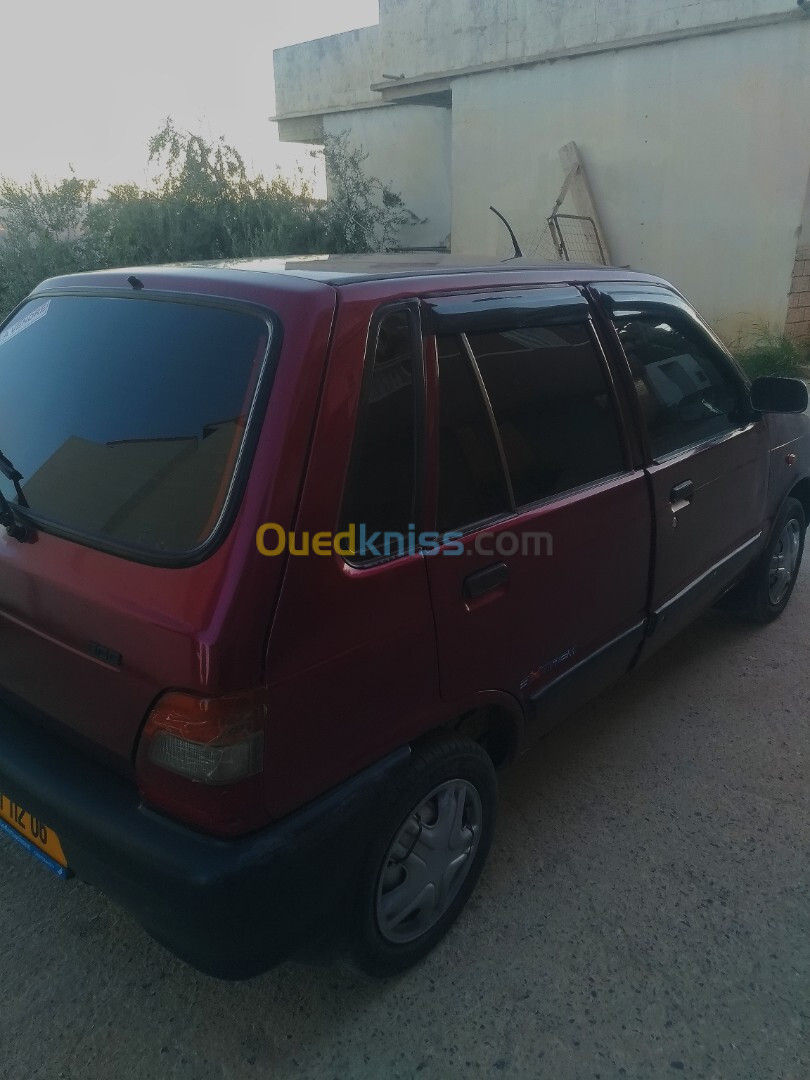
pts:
[497, 726]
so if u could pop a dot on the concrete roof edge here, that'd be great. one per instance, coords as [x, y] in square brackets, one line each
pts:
[620, 44]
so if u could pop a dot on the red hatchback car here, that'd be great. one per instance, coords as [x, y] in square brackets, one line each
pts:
[297, 555]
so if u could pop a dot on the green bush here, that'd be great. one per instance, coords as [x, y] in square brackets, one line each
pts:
[769, 352]
[201, 204]
[44, 234]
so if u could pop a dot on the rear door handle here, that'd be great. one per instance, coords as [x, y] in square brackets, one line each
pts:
[681, 495]
[483, 581]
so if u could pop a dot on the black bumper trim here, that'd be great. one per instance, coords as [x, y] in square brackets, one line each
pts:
[231, 908]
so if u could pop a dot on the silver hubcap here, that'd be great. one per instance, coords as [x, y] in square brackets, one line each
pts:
[783, 562]
[426, 865]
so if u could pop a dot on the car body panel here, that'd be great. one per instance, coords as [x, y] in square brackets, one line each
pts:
[203, 627]
[334, 620]
[721, 530]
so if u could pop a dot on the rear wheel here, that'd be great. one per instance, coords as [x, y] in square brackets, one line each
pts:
[763, 595]
[432, 844]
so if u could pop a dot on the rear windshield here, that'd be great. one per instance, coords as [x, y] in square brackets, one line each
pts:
[126, 416]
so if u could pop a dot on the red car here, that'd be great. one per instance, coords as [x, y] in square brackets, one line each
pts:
[296, 556]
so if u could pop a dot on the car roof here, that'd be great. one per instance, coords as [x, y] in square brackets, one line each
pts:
[346, 269]
[337, 270]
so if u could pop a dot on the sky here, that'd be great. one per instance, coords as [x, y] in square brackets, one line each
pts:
[86, 83]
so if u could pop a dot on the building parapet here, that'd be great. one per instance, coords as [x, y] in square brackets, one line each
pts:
[420, 46]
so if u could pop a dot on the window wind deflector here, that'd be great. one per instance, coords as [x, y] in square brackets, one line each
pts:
[632, 300]
[479, 313]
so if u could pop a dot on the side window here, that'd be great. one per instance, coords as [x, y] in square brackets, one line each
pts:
[472, 483]
[381, 490]
[687, 389]
[552, 406]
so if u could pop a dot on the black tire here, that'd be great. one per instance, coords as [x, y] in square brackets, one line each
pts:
[758, 596]
[450, 769]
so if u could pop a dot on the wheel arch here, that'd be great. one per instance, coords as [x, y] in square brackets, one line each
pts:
[494, 720]
[801, 492]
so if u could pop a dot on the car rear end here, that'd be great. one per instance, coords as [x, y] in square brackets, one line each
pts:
[150, 421]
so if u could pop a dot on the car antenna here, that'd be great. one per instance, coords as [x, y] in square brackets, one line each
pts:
[135, 282]
[518, 253]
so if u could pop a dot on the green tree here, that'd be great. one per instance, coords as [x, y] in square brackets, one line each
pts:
[201, 203]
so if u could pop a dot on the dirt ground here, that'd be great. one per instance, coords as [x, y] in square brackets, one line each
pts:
[645, 913]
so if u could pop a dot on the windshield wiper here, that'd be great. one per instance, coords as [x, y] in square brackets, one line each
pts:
[13, 527]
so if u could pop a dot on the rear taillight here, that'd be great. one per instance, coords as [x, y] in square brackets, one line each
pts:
[200, 759]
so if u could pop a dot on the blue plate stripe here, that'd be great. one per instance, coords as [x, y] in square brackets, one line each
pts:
[32, 849]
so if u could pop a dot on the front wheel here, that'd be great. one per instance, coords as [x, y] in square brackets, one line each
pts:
[763, 595]
[431, 847]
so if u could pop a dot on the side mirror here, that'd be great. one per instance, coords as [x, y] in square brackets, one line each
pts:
[772, 394]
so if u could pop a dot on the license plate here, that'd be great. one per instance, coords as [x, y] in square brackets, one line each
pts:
[35, 834]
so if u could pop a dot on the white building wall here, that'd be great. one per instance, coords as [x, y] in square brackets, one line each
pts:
[697, 143]
[333, 72]
[698, 154]
[420, 37]
[409, 148]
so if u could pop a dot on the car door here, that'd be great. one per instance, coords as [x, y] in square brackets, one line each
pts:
[707, 452]
[539, 584]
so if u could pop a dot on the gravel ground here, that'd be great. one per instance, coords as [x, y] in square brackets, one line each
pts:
[645, 913]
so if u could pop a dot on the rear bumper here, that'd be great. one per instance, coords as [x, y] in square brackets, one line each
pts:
[231, 908]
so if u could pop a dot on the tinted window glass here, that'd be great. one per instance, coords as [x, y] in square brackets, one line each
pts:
[472, 483]
[686, 387]
[125, 417]
[381, 492]
[550, 399]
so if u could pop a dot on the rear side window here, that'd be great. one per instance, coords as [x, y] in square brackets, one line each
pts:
[381, 489]
[686, 387]
[126, 417]
[552, 407]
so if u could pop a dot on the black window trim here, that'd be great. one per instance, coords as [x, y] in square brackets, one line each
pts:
[412, 308]
[702, 444]
[615, 397]
[247, 448]
[466, 350]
